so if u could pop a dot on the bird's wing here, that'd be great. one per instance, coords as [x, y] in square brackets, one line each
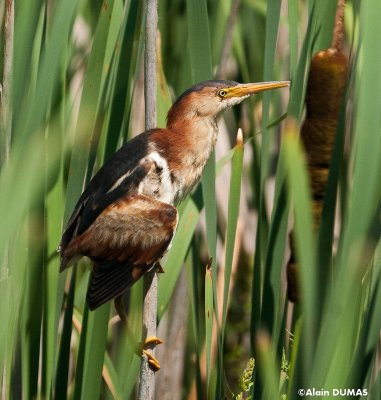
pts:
[120, 176]
[125, 241]
[94, 201]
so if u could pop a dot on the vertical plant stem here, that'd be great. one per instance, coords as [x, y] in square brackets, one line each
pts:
[147, 375]
[223, 64]
[5, 105]
[5, 133]
[150, 64]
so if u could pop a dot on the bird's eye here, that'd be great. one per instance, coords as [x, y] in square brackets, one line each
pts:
[222, 93]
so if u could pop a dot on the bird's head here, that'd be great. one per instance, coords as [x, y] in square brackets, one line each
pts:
[207, 99]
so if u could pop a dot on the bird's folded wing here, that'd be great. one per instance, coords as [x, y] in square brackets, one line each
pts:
[97, 197]
[133, 229]
[124, 241]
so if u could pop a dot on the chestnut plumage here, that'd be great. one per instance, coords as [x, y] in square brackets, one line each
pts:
[125, 219]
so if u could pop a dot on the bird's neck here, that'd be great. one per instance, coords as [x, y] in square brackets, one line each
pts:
[194, 141]
[196, 137]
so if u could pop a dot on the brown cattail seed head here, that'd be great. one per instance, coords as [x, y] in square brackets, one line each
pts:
[326, 83]
[292, 282]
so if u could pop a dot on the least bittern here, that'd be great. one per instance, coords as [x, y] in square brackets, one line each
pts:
[126, 218]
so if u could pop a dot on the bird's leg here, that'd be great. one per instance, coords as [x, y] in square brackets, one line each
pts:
[140, 349]
[148, 344]
[121, 309]
[152, 341]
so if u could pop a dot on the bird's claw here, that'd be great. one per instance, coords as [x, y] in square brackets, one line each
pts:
[152, 361]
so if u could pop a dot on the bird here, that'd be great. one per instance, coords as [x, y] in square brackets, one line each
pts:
[126, 217]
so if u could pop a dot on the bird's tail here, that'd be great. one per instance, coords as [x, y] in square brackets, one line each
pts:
[110, 279]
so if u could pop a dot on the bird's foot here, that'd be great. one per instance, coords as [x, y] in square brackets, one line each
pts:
[151, 359]
[152, 340]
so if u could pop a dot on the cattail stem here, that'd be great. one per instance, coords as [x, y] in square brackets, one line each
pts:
[338, 31]
[147, 375]
[325, 91]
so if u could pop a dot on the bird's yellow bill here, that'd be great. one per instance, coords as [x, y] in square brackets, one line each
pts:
[245, 89]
